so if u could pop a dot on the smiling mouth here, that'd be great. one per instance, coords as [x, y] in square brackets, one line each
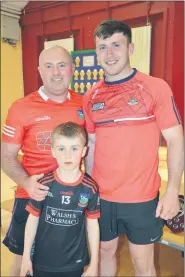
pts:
[111, 62]
[68, 163]
[56, 80]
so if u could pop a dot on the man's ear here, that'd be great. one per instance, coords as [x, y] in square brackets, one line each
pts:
[39, 70]
[131, 48]
[53, 152]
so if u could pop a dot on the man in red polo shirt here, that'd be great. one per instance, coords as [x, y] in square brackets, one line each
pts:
[28, 127]
[125, 114]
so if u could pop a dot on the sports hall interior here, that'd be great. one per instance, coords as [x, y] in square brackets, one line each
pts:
[29, 24]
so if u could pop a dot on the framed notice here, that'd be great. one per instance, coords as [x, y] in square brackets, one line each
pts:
[87, 70]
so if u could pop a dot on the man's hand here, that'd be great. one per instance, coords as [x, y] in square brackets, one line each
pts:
[169, 205]
[92, 271]
[26, 267]
[35, 190]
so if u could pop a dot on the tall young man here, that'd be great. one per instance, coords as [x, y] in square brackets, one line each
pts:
[125, 114]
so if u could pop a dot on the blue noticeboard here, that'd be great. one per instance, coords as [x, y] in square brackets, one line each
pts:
[87, 70]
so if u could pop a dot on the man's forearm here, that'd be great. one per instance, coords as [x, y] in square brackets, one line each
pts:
[93, 233]
[13, 168]
[89, 160]
[175, 162]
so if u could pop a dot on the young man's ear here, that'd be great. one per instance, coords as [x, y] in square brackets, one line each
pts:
[131, 48]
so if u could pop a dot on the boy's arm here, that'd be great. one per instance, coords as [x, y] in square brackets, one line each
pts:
[34, 208]
[30, 233]
[93, 213]
[93, 233]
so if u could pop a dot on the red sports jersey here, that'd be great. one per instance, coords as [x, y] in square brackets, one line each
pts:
[127, 117]
[30, 122]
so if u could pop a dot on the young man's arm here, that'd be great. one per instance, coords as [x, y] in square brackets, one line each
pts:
[94, 241]
[30, 233]
[13, 168]
[168, 206]
[89, 160]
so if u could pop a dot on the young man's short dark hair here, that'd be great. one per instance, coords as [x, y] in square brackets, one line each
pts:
[109, 27]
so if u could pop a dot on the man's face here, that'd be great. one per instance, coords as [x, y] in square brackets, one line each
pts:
[113, 54]
[56, 69]
[68, 152]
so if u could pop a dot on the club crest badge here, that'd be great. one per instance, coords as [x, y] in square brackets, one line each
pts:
[80, 114]
[132, 102]
[83, 200]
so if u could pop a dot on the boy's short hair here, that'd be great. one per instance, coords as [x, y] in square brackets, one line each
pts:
[69, 130]
[109, 27]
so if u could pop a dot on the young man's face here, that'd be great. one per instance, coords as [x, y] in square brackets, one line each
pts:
[68, 152]
[113, 54]
[56, 70]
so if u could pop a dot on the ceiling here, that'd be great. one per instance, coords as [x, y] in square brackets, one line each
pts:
[13, 6]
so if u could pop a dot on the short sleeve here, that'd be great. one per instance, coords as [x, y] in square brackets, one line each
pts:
[93, 207]
[90, 127]
[34, 207]
[166, 112]
[13, 130]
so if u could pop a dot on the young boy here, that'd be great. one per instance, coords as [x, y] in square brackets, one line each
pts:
[57, 224]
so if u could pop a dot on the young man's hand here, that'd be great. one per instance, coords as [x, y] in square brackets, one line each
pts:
[26, 267]
[169, 205]
[92, 271]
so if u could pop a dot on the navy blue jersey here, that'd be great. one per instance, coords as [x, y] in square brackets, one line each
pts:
[60, 243]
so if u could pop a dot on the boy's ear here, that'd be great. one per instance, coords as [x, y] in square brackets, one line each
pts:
[84, 151]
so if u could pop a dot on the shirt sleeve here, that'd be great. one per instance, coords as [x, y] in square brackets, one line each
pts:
[13, 130]
[93, 207]
[34, 207]
[90, 127]
[166, 112]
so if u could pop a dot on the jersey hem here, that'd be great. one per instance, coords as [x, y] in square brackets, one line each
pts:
[47, 269]
[112, 199]
[170, 126]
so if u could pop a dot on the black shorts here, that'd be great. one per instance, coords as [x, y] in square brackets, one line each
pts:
[76, 273]
[136, 220]
[14, 239]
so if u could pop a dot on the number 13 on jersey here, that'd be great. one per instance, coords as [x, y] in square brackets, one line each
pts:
[66, 199]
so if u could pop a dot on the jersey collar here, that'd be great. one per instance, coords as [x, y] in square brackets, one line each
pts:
[45, 97]
[122, 80]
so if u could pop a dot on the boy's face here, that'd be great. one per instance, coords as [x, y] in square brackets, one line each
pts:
[68, 152]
